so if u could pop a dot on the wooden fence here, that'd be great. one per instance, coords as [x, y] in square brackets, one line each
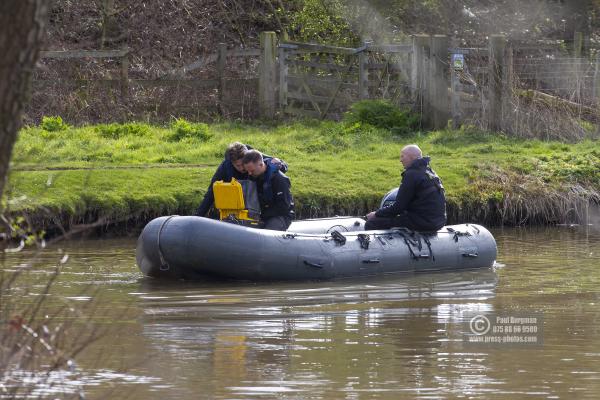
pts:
[322, 81]
[72, 84]
[440, 81]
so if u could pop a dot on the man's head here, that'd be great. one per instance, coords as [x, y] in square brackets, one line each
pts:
[254, 163]
[409, 154]
[235, 152]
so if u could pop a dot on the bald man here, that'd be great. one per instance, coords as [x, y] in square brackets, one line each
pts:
[420, 203]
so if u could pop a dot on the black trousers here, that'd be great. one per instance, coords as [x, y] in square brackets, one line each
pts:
[276, 223]
[405, 220]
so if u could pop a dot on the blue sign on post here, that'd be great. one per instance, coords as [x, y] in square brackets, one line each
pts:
[458, 61]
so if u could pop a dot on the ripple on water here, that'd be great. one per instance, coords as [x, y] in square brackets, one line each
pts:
[387, 337]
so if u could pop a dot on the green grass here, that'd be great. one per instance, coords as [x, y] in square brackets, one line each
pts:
[119, 171]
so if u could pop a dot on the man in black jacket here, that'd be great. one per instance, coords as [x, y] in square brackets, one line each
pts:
[420, 203]
[232, 167]
[273, 187]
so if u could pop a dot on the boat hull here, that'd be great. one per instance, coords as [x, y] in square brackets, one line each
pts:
[196, 247]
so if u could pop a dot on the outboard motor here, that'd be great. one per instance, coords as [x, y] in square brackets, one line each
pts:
[389, 198]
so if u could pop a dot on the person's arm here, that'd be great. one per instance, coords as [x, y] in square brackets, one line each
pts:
[283, 166]
[282, 197]
[209, 196]
[403, 197]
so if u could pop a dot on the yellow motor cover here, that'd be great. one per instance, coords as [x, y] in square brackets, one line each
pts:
[229, 200]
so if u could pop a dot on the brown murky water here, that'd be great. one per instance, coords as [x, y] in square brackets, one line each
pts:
[383, 338]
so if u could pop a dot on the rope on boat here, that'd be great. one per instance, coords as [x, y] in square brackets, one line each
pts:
[457, 234]
[412, 239]
[428, 243]
[164, 266]
[335, 226]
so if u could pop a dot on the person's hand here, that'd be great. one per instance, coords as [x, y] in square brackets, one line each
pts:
[275, 161]
[371, 215]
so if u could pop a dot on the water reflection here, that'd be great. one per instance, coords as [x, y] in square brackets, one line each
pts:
[271, 340]
[388, 337]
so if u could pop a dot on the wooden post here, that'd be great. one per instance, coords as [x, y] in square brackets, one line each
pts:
[577, 53]
[125, 75]
[597, 89]
[108, 7]
[509, 73]
[283, 79]
[597, 79]
[420, 55]
[577, 44]
[267, 78]
[438, 81]
[363, 74]
[508, 86]
[455, 85]
[221, 64]
[456, 88]
[497, 47]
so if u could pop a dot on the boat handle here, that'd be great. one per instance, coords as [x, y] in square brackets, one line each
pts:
[311, 264]
[470, 255]
[371, 261]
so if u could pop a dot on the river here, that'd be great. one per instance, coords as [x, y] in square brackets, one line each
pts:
[391, 337]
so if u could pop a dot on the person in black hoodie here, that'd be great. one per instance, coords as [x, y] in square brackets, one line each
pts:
[232, 167]
[273, 187]
[420, 203]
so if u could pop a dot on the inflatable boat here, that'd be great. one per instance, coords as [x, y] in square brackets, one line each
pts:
[188, 247]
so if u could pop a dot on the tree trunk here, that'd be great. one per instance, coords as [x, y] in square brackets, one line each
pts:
[21, 28]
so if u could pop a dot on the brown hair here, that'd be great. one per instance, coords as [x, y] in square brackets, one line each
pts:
[235, 151]
[252, 156]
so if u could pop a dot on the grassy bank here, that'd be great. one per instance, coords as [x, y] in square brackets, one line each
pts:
[136, 171]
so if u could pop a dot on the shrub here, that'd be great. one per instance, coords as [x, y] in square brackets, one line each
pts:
[185, 129]
[316, 20]
[327, 144]
[332, 128]
[116, 131]
[382, 114]
[53, 124]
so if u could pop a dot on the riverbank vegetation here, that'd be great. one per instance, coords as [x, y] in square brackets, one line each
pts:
[133, 172]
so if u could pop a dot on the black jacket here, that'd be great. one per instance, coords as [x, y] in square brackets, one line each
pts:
[274, 194]
[421, 196]
[224, 173]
